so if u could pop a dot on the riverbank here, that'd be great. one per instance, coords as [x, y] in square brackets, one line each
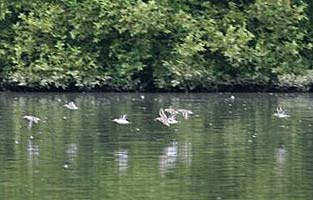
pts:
[286, 84]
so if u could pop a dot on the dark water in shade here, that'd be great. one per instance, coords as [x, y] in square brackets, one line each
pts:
[229, 149]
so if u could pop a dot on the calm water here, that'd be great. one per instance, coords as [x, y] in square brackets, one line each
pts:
[229, 149]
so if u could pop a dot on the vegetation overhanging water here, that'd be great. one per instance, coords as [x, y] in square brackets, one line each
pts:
[165, 45]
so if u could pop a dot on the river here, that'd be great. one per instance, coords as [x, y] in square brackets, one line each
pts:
[230, 148]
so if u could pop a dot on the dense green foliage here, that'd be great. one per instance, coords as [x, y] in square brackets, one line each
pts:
[164, 45]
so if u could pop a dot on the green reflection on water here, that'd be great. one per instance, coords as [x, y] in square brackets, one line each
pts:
[230, 148]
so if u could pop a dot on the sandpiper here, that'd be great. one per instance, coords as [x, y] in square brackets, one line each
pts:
[280, 113]
[185, 113]
[122, 120]
[31, 120]
[172, 119]
[162, 118]
[171, 110]
[71, 105]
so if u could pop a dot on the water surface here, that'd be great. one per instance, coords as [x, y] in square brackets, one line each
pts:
[229, 149]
